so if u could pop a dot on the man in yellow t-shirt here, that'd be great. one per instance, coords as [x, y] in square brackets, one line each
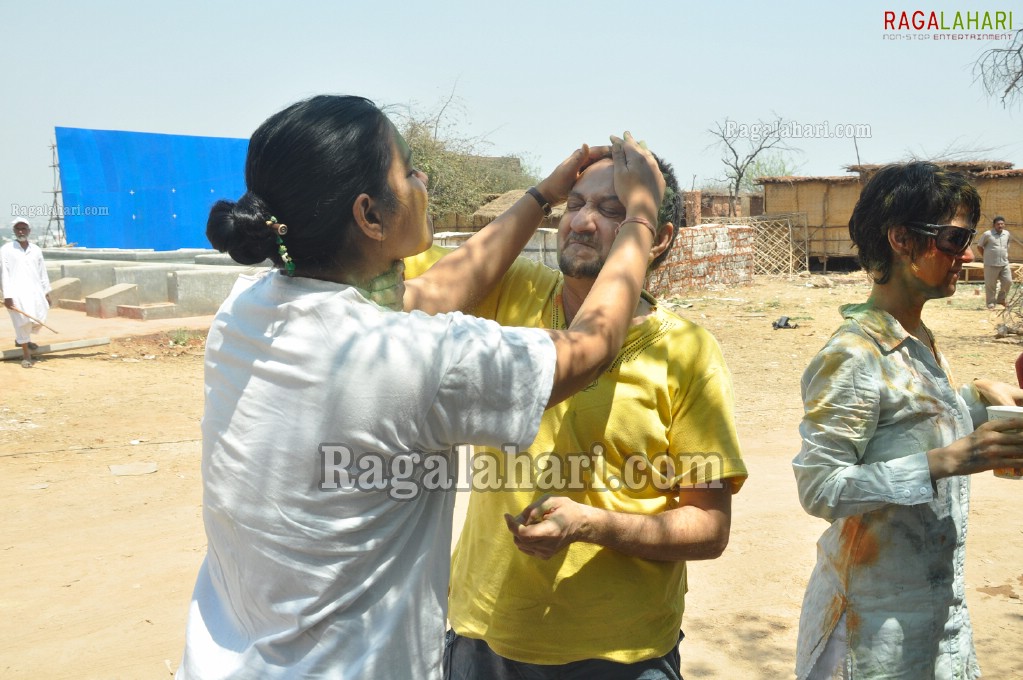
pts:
[572, 559]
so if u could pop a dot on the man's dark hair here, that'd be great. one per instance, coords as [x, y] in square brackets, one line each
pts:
[998, 218]
[907, 192]
[672, 208]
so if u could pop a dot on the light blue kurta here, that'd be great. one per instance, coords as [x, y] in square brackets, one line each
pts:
[876, 400]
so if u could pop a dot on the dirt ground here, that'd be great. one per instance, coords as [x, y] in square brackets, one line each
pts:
[97, 561]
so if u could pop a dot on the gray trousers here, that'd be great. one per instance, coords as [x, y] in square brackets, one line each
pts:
[992, 277]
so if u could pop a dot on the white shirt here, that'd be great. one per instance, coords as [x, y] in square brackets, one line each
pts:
[892, 561]
[303, 579]
[996, 248]
[23, 279]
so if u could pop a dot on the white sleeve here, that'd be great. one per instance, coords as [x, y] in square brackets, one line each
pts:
[44, 278]
[974, 403]
[6, 285]
[496, 386]
[841, 398]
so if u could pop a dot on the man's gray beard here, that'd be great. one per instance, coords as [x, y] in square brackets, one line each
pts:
[578, 269]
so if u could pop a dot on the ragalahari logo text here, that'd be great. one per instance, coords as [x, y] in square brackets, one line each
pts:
[947, 25]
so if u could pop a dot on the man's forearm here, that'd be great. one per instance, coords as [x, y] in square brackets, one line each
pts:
[697, 529]
[684, 533]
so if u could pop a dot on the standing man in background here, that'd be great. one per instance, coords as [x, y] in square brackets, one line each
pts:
[994, 248]
[26, 287]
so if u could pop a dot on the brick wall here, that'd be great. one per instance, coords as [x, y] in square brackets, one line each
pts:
[692, 202]
[702, 256]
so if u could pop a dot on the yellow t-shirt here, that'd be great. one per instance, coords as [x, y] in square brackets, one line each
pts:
[668, 391]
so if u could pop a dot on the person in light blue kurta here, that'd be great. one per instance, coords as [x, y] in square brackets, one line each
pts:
[888, 444]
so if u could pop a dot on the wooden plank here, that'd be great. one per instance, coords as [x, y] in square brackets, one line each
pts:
[974, 271]
[56, 347]
[971, 270]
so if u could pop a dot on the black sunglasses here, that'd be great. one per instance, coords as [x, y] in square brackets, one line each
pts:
[948, 238]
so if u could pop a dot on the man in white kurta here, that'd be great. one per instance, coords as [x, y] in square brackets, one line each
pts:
[26, 286]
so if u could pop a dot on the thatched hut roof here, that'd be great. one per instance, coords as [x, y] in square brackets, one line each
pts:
[1014, 172]
[968, 166]
[791, 179]
[488, 212]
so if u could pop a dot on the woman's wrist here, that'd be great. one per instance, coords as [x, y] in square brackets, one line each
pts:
[545, 190]
[541, 200]
[644, 222]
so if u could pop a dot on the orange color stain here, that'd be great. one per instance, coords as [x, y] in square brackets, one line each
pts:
[834, 611]
[859, 541]
[852, 624]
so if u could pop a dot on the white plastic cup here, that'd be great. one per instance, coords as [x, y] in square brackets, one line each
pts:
[1000, 413]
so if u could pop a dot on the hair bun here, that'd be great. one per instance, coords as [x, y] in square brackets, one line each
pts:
[239, 229]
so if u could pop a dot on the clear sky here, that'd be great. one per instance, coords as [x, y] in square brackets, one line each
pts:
[535, 78]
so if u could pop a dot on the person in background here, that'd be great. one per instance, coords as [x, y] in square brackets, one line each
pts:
[993, 246]
[26, 287]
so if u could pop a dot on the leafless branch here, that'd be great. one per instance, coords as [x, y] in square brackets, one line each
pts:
[956, 150]
[1000, 71]
[443, 108]
[740, 148]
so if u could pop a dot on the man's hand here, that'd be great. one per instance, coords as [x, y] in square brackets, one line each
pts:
[556, 186]
[695, 526]
[49, 302]
[8, 302]
[548, 525]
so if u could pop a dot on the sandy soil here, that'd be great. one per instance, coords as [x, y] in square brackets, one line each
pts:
[96, 568]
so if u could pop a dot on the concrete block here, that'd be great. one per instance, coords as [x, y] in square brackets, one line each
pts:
[56, 347]
[73, 305]
[543, 247]
[66, 288]
[151, 279]
[135, 255]
[161, 310]
[198, 292]
[225, 259]
[94, 276]
[103, 304]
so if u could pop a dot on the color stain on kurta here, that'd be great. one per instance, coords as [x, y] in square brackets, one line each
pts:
[859, 549]
[859, 542]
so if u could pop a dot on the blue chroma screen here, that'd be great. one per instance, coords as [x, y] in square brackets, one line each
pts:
[144, 190]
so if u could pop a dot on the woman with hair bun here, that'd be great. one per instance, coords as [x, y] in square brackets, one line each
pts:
[330, 420]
